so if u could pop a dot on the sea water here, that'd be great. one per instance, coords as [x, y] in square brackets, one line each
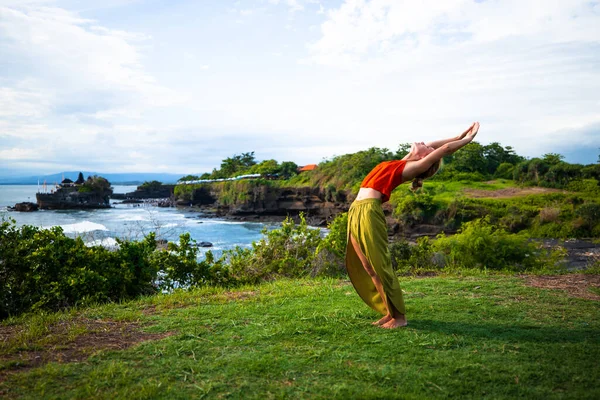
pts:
[130, 221]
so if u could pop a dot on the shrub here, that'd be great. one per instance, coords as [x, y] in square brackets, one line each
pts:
[482, 245]
[549, 214]
[151, 185]
[43, 269]
[505, 171]
[415, 258]
[180, 266]
[588, 218]
[414, 208]
[461, 210]
[285, 252]
[590, 186]
[331, 251]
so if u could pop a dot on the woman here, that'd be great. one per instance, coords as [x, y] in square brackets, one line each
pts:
[367, 255]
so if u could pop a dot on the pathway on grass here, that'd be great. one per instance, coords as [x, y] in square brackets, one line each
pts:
[508, 192]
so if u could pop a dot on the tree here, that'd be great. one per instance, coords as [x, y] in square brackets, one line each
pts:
[288, 169]
[470, 158]
[562, 173]
[188, 178]
[235, 165]
[552, 158]
[152, 185]
[536, 168]
[80, 179]
[230, 166]
[97, 184]
[403, 150]
[495, 155]
[266, 167]
[505, 171]
[247, 159]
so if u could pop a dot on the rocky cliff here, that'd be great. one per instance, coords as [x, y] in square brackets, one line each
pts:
[68, 198]
[243, 199]
[162, 192]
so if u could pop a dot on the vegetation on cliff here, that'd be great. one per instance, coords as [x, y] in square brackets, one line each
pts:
[96, 185]
[245, 164]
[470, 185]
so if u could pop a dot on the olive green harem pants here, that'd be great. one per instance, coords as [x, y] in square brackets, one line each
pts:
[366, 223]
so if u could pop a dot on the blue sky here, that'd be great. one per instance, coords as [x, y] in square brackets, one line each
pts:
[177, 86]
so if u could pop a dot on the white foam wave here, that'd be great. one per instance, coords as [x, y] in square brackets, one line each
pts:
[85, 226]
[209, 221]
[109, 243]
[125, 217]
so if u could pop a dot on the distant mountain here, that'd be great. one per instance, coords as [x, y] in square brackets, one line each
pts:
[115, 179]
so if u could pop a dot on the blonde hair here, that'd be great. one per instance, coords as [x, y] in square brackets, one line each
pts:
[417, 183]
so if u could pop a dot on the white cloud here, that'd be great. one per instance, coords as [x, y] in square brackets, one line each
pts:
[527, 69]
[82, 90]
[66, 77]
[77, 54]
[293, 5]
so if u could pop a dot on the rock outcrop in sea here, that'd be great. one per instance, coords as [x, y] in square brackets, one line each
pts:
[25, 206]
[94, 193]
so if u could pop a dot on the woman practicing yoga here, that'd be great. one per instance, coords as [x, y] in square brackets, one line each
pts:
[367, 255]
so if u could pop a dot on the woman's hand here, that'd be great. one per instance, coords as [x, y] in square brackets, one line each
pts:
[462, 135]
[473, 131]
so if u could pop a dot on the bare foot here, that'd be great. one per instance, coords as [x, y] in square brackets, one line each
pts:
[395, 323]
[382, 320]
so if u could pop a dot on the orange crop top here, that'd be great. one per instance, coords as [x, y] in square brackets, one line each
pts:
[385, 177]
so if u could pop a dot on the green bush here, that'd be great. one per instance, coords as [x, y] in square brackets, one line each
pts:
[180, 267]
[285, 252]
[43, 269]
[151, 185]
[414, 208]
[589, 186]
[588, 218]
[331, 251]
[505, 171]
[407, 258]
[481, 245]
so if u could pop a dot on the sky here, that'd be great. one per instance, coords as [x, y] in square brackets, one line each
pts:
[179, 85]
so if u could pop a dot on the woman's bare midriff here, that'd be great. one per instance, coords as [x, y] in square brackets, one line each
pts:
[368, 193]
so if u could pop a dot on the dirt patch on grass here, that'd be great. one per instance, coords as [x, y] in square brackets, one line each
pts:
[576, 285]
[239, 295]
[508, 192]
[68, 341]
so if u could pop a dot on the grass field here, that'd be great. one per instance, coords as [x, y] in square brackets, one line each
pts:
[468, 337]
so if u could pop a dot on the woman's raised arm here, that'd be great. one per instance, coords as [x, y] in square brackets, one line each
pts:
[438, 143]
[412, 169]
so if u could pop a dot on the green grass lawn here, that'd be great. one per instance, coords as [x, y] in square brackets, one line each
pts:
[468, 337]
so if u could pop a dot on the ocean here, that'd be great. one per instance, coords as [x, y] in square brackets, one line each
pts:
[130, 221]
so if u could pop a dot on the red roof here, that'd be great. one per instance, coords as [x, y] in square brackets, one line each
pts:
[308, 167]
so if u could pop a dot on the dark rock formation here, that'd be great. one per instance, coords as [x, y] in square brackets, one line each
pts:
[131, 201]
[165, 203]
[69, 197]
[25, 207]
[161, 192]
[260, 200]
